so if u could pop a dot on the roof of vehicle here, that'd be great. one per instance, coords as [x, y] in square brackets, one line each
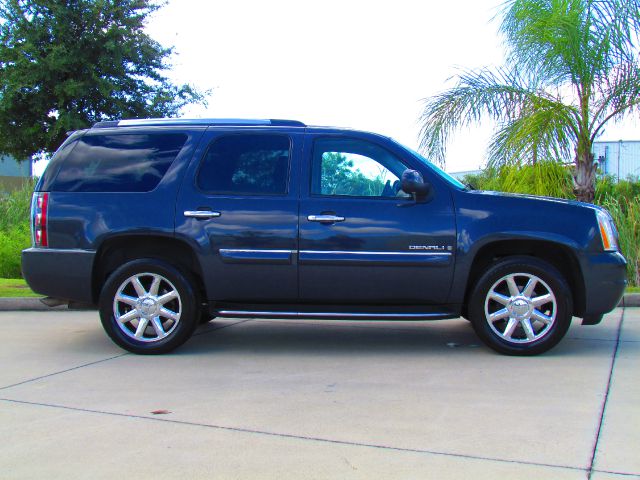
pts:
[221, 122]
[197, 121]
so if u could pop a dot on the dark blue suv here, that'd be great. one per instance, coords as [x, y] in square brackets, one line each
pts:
[167, 223]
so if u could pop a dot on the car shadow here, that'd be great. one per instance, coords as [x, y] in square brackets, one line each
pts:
[330, 336]
[365, 337]
[451, 337]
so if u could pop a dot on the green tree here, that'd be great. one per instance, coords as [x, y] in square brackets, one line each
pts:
[572, 68]
[341, 177]
[65, 64]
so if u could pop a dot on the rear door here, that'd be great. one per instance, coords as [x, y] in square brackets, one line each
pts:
[362, 239]
[238, 207]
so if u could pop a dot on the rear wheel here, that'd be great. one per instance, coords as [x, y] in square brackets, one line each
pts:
[148, 307]
[521, 306]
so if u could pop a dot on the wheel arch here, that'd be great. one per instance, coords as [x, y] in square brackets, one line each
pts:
[558, 255]
[118, 250]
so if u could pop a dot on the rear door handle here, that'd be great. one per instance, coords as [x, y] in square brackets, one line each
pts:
[325, 218]
[201, 214]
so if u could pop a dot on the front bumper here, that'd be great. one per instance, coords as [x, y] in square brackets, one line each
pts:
[605, 280]
[64, 274]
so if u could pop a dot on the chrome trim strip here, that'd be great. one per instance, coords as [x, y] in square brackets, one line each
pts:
[190, 121]
[250, 250]
[58, 250]
[331, 252]
[344, 252]
[251, 312]
[256, 256]
[330, 314]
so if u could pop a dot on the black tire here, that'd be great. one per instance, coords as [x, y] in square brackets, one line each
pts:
[527, 326]
[168, 317]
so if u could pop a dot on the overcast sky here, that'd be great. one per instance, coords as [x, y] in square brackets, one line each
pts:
[359, 64]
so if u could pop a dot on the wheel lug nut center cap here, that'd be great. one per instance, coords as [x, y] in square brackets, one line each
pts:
[520, 308]
[147, 307]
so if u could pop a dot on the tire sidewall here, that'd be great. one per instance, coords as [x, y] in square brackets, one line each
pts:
[540, 269]
[189, 315]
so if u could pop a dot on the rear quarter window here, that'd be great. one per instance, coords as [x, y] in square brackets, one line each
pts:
[117, 162]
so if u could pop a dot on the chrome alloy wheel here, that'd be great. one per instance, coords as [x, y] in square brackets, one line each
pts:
[147, 307]
[520, 308]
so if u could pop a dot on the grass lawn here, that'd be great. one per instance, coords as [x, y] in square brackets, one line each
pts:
[15, 287]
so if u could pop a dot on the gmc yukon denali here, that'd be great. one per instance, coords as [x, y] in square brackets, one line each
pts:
[163, 224]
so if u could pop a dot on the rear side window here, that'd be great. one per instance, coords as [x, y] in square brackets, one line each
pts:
[118, 163]
[246, 164]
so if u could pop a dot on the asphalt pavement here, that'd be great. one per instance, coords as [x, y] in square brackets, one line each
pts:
[298, 399]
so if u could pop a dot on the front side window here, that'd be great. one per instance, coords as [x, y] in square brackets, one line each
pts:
[355, 168]
[246, 164]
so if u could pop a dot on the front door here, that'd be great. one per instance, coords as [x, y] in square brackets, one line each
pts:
[238, 206]
[362, 239]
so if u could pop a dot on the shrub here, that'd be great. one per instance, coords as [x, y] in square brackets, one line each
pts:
[16, 206]
[15, 233]
[548, 179]
[623, 202]
[12, 242]
[626, 190]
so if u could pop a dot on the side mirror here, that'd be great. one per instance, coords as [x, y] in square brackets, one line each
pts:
[413, 183]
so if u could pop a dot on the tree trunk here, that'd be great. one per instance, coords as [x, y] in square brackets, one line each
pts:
[584, 178]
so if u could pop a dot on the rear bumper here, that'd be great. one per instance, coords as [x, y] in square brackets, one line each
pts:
[605, 281]
[64, 274]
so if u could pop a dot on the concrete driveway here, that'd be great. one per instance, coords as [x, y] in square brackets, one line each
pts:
[306, 399]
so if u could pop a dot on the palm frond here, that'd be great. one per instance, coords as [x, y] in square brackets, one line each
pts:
[621, 21]
[618, 96]
[545, 130]
[500, 95]
[571, 41]
[572, 66]
[546, 36]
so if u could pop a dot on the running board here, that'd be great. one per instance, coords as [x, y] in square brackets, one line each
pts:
[334, 315]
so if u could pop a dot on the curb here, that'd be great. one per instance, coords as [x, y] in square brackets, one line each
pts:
[27, 304]
[35, 305]
[630, 300]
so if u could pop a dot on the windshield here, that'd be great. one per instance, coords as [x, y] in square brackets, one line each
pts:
[452, 181]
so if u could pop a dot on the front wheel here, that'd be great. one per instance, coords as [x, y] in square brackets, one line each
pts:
[148, 307]
[521, 306]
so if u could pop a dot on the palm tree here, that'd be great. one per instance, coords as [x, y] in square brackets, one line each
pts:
[572, 68]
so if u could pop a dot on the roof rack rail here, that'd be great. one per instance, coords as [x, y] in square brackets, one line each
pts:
[197, 121]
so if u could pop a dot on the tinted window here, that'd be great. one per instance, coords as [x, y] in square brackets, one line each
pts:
[355, 168]
[246, 164]
[118, 163]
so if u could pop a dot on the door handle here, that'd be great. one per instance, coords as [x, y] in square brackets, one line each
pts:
[325, 218]
[201, 214]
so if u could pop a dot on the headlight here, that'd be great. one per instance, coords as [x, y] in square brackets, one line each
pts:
[608, 232]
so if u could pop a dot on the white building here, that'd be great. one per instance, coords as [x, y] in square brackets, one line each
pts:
[620, 159]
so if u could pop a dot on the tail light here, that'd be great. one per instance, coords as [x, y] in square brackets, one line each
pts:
[39, 210]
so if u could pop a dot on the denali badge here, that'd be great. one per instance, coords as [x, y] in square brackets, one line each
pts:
[432, 248]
